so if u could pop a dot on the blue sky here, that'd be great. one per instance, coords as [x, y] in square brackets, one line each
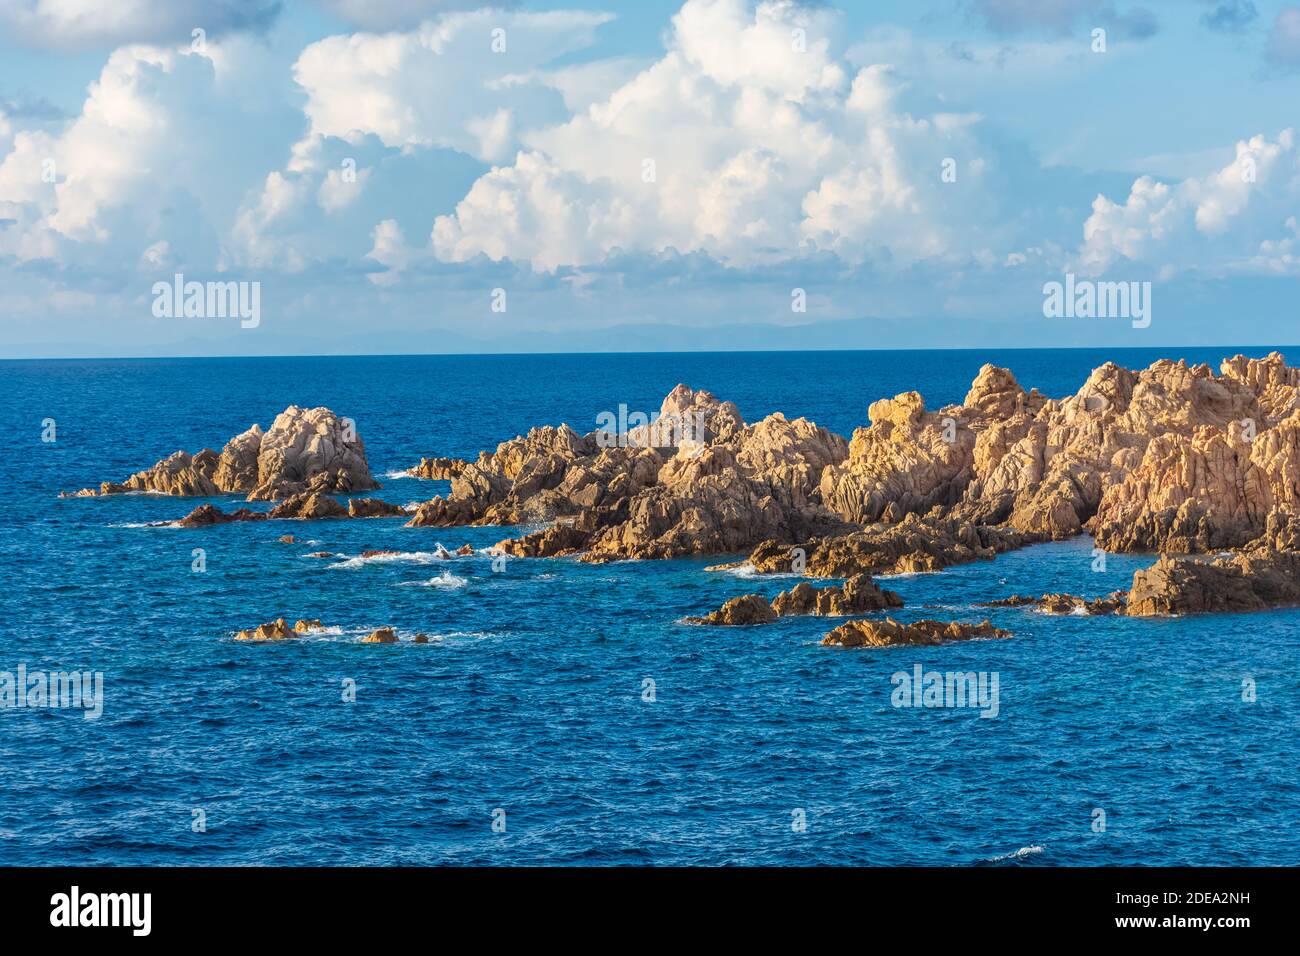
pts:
[657, 175]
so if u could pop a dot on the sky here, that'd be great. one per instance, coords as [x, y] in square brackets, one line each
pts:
[412, 176]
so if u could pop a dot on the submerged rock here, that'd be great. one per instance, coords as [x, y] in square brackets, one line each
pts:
[890, 633]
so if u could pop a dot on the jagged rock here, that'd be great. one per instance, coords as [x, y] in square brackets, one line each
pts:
[915, 544]
[1251, 581]
[379, 553]
[277, 630]
[858, 595]
[1063, 604]
[205, 515]
[382, 635]
[300, 446]
[437, 469]
[373, 508]
[1172, 456]
[559, 539]
[890, 633]
[421, 638]
[304, 626]
[308, 505]
[465, 549]
[321, 554]
[745, 610]
[287, 539]
[442, 512]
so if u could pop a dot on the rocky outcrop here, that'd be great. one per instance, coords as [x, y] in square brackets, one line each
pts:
[1127, 452]
[437, 469]
[374, 508]
[277, 630]
[651, 492]
[206, 515]
[890, 633]
[1250, 581]
[302, 447]
[858, 595]
[382, 635]
[1067, 604]
[915, 544]
[745, 610]
[557, 540]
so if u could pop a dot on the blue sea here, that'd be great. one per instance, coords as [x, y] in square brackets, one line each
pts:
[529, 706]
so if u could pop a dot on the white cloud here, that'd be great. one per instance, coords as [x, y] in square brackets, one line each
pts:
[762, 146]
[440, 84]
[1238, 218]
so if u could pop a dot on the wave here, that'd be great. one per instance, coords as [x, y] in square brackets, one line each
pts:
[145, 524]
[446, 580]
[1022, 853]
[393, 557]
[396, 474]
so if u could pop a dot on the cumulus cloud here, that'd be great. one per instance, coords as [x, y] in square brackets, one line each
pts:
[145, 160]
[749, 140]
[1240, 218]
[466, 81]
[77, 24]
[442, 84]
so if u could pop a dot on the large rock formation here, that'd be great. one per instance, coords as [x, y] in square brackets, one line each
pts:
[890, 633]
[1157, 458]
[722, 487]
[303, 447]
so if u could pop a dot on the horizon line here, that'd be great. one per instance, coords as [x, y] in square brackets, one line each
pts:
[754, 351]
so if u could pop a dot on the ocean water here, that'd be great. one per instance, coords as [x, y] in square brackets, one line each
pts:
[528, 704]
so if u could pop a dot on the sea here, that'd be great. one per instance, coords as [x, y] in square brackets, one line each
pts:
[561, 713]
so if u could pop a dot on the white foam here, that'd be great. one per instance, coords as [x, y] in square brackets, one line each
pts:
[412, 557]
[1020, 854]
[446, 580]
[395, 475]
